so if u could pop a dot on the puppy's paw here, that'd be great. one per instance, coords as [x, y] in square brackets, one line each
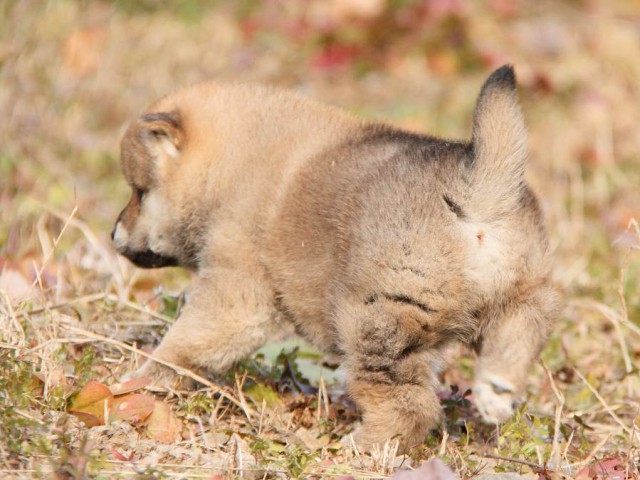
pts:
[366, 442]
[160, 376]
[495, 399]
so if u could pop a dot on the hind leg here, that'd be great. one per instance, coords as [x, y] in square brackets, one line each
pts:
[393, 408]
[389, 377]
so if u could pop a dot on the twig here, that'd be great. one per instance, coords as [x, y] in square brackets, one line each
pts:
[603, 402]
[625, 315]
[55, 244]
[98, 245]
[593, 452]
[443, 443]
[514, 460]
[21, 340]
[606, 311]
[242, 401]
[87, 298]
[555, 447]
[135, 306]
[103, 296]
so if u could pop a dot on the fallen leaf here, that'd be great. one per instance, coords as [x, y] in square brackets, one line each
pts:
[15, 285]
[121, 456]
[434, 469]
[610, 468]
[133, 407]
[129, 386]
[162, 424]
[91, 403]
[89, 419]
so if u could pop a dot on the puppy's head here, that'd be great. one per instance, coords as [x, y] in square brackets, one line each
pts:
[152, 230]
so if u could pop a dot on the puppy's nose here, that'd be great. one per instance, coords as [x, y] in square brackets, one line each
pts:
[113, 233]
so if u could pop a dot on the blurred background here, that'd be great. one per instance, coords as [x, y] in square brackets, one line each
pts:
[74, 72]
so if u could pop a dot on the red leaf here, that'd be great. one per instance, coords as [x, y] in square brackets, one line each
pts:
[122, 457]
[129, 386]
[162, 424]
[133, 407]
[434, 469]
[91, 403]
[88, 419]
[610, 468]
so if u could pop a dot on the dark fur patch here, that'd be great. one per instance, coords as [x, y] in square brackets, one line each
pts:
[149, 259]
[371, 298]
[172, 119]
[410, 301]
[163, 124]
[453, 206]
[504, 77]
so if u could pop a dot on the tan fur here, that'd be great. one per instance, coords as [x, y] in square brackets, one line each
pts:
[376, 244]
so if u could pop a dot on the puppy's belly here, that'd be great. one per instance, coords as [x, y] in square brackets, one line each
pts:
[309, 319]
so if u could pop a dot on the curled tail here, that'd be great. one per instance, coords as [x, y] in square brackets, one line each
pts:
[499, 138]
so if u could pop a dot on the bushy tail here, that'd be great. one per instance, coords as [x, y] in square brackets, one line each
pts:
[500, 146]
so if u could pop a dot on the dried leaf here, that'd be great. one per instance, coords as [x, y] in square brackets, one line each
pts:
[133, 407]
[16, 286]
[611, 468]
[89, 419]
[129, 386]
[121, 456]
[434, 469]
[162, 424]
[90, 404]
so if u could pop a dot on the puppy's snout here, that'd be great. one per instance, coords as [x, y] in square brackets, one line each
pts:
[119, 234]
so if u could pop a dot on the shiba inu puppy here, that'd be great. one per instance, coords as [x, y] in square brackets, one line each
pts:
[378, 245]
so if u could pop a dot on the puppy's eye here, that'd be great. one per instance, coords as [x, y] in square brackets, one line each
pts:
[140, 194]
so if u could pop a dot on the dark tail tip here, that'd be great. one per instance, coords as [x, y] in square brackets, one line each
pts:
[503, 77]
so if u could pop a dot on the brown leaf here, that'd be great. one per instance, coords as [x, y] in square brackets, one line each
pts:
[129, 386]
[611, 468]
[162, 424]
[16, 285]
[89, 419]
[133, 407]
[93, 400]
[434, 469]
[121, 456]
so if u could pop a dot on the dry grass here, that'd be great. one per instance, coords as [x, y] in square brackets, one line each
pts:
[72, 74]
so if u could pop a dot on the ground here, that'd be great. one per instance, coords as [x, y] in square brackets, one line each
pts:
[74, 316]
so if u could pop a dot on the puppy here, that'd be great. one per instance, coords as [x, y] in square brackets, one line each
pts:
[378, 245]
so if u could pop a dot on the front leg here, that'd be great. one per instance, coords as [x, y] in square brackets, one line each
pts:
[229, 315]
[510, 343]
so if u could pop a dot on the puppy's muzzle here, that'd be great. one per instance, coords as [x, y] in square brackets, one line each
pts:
[141, 258]
[149, 259]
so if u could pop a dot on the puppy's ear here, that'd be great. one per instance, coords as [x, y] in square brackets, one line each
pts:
[499, 139]
[163, 133]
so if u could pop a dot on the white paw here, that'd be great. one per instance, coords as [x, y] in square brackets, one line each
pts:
[495, 399]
